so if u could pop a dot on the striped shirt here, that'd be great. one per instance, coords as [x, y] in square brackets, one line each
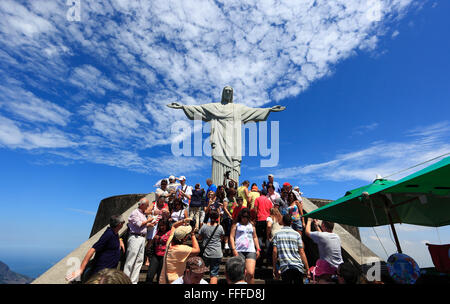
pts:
[288, 241]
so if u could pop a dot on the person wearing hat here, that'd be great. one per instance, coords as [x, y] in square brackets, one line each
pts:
[184, 191]
[106, 250]
[177, 252]
[172, 183]
[193, 274]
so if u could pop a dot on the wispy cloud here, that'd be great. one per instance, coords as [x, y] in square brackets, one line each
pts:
[380, 157]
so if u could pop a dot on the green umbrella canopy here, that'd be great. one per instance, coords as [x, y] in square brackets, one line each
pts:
[422, 198]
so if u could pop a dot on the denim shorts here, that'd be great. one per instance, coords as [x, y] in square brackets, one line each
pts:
[297, 225]
[247, 255]
[213, 264]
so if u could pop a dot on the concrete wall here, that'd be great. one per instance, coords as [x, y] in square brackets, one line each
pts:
[57, 274]
[110, 206]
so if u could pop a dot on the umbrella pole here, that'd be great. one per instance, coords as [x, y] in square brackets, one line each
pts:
[397, 243]
[391, 222]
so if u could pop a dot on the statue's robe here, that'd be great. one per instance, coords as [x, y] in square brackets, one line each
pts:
[226, 120]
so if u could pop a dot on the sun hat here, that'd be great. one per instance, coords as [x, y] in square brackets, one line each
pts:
[181, 232]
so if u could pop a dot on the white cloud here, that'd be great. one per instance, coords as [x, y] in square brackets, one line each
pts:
[381, 157]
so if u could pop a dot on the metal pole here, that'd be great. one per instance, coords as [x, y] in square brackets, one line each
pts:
[388, 213]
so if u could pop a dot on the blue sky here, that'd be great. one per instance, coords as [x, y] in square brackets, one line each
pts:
[83, 115]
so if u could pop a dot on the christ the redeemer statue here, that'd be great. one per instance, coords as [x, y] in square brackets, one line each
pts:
[226, 119]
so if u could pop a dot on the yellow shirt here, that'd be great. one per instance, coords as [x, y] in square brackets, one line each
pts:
[253, 196]
[175, 263]
[241, 193]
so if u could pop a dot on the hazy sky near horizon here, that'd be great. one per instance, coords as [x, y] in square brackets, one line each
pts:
[83, 115]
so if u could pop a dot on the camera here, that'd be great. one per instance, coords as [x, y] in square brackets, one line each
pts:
[227, 174]
[192, 223]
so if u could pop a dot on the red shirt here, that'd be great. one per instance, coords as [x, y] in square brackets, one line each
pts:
[264, 205]
[236, 211]
[160, 245]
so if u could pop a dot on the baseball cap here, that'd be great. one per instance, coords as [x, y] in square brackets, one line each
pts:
[171, 177]
[182, 178]
[271, 175]
[181, 232]
[286, 184]
[196, 265]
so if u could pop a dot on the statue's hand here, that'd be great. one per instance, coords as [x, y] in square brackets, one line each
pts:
[277, 108]
[175, 105]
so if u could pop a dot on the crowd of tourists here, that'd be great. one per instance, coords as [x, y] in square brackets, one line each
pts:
[183, 235]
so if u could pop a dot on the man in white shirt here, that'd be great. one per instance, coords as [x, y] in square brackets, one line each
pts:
[328, 243]
[184, 191]
[194, 272]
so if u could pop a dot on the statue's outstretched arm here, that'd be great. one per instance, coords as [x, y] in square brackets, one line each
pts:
[175, 105]
[277, 109]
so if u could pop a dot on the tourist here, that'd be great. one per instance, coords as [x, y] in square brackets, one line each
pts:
[298, 194]
[227, 222]
[328, 243]
[347, 274]
[282, 202]
[288, 251]
[179, 212]
[295, 210]
[177, 252]
[184, 191]
[162, 190]
[194, 272]
[196, 206]
[157, 211]
[271, 193]
[244, 243]
[262, 207]
[212, 234]
[253, 195]
[274, 223]
[109, 276]
[106, 250]
[274, 183]
[137, 225]
[158, 242]
[213, 188]
[213, 204]
[173, 185]
[323, 272]
[243, 192]
[235, 270]
[239, 206]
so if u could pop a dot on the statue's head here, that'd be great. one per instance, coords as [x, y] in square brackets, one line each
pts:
[227, 94]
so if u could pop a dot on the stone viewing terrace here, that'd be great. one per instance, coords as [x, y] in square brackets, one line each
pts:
[352, 248]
